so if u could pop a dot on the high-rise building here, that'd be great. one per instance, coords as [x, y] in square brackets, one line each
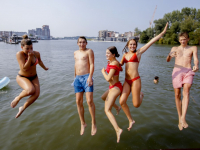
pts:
[38, 31]
[46, 31]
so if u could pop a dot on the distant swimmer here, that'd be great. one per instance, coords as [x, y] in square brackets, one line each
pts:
[27, 76]
[115, 87]
[132, 83]
[182, 75]
[83, 82]
[156, 79]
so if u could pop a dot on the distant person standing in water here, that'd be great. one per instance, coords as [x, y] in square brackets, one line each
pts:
[83, 82]
[132, 83]
[27, 76]
[182, 75]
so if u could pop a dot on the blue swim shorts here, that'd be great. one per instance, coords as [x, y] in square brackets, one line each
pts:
[81, 85]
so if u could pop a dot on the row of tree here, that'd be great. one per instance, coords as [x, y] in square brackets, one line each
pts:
[186, 20]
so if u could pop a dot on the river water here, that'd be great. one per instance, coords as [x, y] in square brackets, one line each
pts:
[52, 122]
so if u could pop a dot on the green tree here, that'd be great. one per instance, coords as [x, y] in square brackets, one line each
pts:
[159, 25]
[143, 37]
[137, 31]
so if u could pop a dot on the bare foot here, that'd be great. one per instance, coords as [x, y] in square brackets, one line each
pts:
[118, 135]
[83, 128]
[15, 102]
[184, 124]
[130, 125]
[21, 109]
[118, 110]
[180, 126]
[94, 130]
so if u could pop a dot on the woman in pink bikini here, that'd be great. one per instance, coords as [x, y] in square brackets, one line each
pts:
[132, 81]
[27, 76]
[115, 87]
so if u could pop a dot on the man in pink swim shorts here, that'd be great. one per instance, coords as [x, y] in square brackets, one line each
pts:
[182, 75]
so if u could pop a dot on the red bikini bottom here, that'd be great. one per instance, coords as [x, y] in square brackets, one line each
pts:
[118, 84]
[132, 80]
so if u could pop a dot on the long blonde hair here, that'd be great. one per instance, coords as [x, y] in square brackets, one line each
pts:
[126, 46]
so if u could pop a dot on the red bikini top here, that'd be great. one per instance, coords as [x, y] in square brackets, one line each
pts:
[118, 69]
[132, 59]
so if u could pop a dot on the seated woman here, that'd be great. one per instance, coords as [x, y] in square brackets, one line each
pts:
[27, 76]
[115, 87]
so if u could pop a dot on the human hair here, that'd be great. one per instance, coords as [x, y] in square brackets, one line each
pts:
[126, 46]
[113, 50]
[156, 77]
[184, 34]
[82, 37]
[26, 40]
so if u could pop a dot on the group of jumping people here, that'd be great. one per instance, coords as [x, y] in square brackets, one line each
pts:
[83, 82]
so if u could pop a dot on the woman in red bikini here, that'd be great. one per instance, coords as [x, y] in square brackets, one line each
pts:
[132, 81]
[27, 76]
[115, 87]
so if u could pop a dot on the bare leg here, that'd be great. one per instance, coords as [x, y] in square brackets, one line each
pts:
[178, 106]
[32, 98]
[89, 97]
[122, 101]
[185, 103]
[137, 95]
[28, 89]
[104, 96]
[113, 94]
[79, 102]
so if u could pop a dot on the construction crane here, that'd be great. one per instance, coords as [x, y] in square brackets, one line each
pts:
[152, 17]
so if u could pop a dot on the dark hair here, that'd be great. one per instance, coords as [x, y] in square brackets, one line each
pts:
[26, 40]
[185, 34]
[82, 37]
[113, 50]
[156, 77]
[126, 47]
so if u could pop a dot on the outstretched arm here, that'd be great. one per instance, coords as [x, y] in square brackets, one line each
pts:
[146, 46]
[41, 63]
[196, 61]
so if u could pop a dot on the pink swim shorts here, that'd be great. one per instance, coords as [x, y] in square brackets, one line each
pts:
[181, 76]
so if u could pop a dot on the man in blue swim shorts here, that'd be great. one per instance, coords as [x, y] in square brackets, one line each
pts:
[83, 82]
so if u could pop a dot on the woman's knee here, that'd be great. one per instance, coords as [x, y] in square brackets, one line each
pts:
[103, 97]
[136, 104]
[122, 101]
[106, 110]
[30, 91]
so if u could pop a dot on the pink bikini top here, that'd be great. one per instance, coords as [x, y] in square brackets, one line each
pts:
[132, 59]
[36, 61]
[118, 69]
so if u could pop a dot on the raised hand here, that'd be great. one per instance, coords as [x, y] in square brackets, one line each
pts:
[173, 54]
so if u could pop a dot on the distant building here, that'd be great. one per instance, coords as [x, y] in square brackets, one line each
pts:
[103, 33]
[46, 31]
[39, 31]
[32, 32]
[10, 33]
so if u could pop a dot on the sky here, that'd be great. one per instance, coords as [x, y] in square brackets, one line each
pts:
[85, 17]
